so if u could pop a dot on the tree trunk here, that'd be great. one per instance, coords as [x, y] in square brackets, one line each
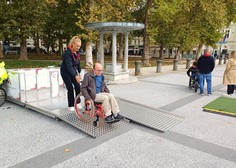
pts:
[60, 46]
[89, 56]
[145, 58]
[1, 50]
[167, 52]
[178, 56]
[98, 52]
[23, 50]
[199, 48]
[36, 44]
[121, 48]
[161, 52]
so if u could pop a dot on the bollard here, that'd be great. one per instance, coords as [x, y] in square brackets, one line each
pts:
[188, 63]
[225, 60]
[159, 62]
[137, 67]
[220, 61]
[215, 59]
[175, 64]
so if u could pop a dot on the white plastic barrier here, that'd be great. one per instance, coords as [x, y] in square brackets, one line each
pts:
[27, 78]
[13, 88]
[34, 80]
[42, 78]
[54, 83]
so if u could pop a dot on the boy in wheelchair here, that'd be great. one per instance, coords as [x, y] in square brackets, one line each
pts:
[94, 88]
[193, 74]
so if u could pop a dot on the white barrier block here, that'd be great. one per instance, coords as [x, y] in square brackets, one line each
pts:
[42, 78]
[54, 82]
[13, 88]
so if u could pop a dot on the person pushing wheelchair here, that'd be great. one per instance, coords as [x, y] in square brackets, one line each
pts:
[94, 88]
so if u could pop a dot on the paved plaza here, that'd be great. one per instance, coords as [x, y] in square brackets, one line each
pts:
[202, 140]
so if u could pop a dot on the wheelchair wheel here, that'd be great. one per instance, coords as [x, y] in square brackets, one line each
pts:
[196, 86]
[190, 83]
[3, 96]
[95, 123]
[85, 112]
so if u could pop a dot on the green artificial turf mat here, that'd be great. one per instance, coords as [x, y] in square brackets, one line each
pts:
[223, 105]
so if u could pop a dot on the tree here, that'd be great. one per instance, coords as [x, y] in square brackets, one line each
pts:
[60, 23]
[162, 23]
[24, 18]
[3, 7]
[230, 11]
[146, 34]
[186, 23]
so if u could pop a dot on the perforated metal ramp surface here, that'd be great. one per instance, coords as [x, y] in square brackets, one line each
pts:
[156, 119]
[88, 128]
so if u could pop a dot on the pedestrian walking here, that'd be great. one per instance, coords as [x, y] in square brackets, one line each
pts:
[229, 77]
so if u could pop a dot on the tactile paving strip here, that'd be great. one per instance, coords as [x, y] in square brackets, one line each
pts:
[154, 118]
[88, 128]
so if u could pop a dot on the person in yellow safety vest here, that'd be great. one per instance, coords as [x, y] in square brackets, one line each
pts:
[3, 73]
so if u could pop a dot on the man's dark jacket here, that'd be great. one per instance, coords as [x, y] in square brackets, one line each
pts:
[205, 64]
[88, 87]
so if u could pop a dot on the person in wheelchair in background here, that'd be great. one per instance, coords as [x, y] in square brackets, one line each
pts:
[94, 88]
[193, 74]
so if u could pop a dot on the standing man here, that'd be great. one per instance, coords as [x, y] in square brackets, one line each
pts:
[94, 88]
[206, 64]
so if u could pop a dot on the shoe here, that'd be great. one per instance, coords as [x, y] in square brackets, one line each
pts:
[118, 117]
[201, 94]
[209, 94]
[71, 108]
[226, 95]
[109, 119]
[79, 106]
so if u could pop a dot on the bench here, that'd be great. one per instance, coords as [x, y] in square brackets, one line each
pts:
[11, 52]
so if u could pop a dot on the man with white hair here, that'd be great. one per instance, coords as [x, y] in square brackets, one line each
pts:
[94, 88]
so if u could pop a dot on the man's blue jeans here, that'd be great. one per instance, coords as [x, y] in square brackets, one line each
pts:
[208, 81]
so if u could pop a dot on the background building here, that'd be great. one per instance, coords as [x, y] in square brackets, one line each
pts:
[228, 41]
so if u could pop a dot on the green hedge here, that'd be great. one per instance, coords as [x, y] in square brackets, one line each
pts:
[11, 64]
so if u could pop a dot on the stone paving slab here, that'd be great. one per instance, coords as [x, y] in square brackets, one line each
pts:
[140, 149]
[26, 134]
[214, 128]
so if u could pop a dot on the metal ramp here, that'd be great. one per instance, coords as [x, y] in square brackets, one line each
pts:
[53, 109]
[56, 108]
[88, 128]
[157, 119]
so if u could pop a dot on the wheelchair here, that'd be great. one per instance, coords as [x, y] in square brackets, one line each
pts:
[193, 83]
[88, 111]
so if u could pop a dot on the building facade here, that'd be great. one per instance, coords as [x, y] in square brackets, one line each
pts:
[228, 41]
